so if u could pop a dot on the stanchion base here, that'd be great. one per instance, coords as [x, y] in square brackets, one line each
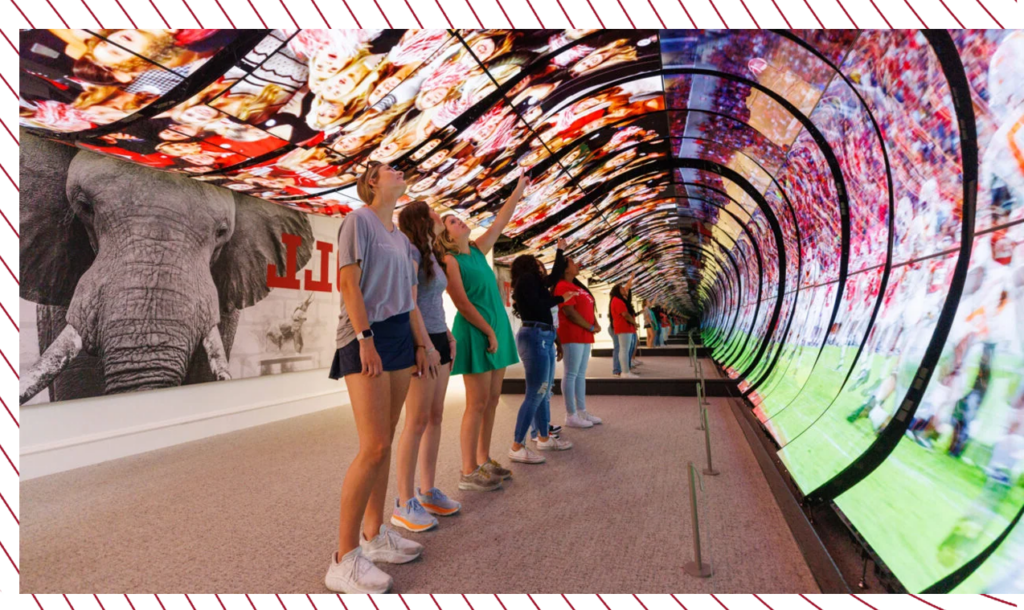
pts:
[711, 472]
[697, 571]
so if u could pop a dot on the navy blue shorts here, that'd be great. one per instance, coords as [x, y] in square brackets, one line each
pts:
[394, 343]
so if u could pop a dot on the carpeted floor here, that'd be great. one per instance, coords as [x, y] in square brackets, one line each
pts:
[653, 367]
[256, 511]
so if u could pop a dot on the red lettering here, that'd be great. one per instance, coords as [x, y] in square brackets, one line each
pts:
[324, 283]
[288, 280]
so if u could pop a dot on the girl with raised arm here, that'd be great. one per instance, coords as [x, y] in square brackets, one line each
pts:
[532, 303]
[484, 338]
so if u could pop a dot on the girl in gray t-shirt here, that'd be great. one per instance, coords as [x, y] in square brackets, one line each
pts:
[381, 342]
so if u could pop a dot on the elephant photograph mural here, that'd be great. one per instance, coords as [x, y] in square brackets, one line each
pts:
[134, 279]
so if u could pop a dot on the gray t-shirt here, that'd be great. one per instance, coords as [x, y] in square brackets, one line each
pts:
[388, 272]
[429, 295]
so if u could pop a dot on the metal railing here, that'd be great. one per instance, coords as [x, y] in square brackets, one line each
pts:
[696, 568]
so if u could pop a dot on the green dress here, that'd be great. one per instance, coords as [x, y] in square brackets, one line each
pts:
[471, 345]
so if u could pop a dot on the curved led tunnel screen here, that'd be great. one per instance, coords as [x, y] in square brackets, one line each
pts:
[802, 193]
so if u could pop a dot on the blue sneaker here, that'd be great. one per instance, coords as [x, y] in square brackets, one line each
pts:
[412, 516]
[435, 502]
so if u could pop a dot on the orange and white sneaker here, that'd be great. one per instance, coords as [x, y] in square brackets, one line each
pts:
[412, 516]
[436, 503]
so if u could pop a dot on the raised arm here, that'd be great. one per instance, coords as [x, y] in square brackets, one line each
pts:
[486, 241]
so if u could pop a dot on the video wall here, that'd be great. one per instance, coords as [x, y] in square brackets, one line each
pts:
[953, 486]
[801, 192]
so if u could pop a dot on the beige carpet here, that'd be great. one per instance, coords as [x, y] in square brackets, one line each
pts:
[256, 511]
[653, 367]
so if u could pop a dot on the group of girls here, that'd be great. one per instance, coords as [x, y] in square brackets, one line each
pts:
[394, 348]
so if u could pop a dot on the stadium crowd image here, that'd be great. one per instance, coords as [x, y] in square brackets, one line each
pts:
[817, 235]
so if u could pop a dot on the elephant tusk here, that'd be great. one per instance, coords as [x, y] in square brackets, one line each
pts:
[214, 346]
[55, 359]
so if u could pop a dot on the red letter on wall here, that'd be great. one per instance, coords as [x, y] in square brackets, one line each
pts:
[288, 280]
[324, 284]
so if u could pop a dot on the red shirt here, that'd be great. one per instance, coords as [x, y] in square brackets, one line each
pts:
[568, 331]
[619, 324]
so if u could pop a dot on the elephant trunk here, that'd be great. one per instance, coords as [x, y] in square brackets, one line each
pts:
[142, 366]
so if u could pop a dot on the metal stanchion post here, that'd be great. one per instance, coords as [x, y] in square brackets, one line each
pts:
[696, 568]
[710, 470]
[703, 386]
[700, 408]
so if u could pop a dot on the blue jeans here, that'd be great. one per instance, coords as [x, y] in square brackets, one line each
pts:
[574, 381]
[632, 347]
[544, 410]
[616, 367]
[536, 348]
[624, 342]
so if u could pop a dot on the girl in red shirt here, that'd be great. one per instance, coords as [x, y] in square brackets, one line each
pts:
[577, 324]
[624, 324]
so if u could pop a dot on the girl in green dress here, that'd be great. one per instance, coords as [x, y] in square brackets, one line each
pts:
[484, 340]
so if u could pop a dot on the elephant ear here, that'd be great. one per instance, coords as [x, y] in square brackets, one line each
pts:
[55, 248]
[240, 272]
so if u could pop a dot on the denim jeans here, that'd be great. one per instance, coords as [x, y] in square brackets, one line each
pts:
[536, 348]
[544, 410]
[624, 342]
[632, 347]
[574, 379]
[616, 367]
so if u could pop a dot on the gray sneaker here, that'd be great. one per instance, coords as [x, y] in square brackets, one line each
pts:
[355, 573]
[496, 470]
[479, 480]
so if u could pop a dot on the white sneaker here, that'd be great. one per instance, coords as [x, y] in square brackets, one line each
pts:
[356, 574]
[631, 375]
[389, 547]
[525, 455]
[554, 444]
[593, 419]
[577, 421]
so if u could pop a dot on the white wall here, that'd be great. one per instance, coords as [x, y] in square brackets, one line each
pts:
[60, 436]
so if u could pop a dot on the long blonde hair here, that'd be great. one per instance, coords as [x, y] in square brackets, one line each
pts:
[445, 243]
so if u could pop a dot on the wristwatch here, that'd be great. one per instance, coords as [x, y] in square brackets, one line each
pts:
[366, 334]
